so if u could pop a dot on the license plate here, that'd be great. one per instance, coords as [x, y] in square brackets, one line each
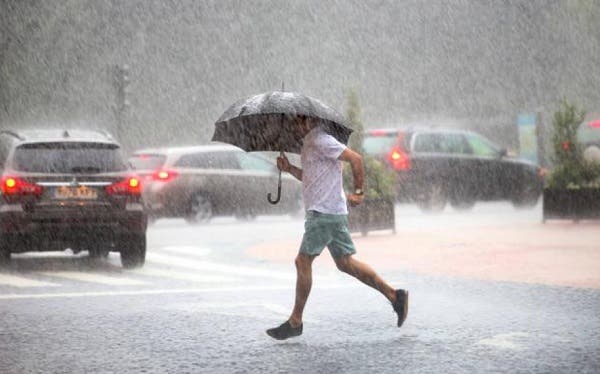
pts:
[81, 192]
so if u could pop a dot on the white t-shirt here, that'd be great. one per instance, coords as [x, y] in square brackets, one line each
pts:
[322, 187]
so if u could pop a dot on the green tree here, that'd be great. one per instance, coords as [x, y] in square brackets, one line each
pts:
[379, 181]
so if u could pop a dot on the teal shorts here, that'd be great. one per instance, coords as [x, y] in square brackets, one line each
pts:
[326, 230]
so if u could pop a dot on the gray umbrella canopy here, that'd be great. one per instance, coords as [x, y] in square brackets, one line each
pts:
[269, 122]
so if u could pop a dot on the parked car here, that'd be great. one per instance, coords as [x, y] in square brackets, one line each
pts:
[200, 182]
[69, 189]
[434, 166]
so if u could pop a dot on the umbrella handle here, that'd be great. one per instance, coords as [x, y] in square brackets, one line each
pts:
[278, 192]
[278, 188]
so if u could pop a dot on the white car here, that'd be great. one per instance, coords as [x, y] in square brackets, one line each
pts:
[200, 182]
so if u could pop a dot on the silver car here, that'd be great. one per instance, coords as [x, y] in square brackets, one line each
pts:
[200, 182]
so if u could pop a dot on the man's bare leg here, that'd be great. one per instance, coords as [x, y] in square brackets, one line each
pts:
[303, 286]
[365, 274]
[293, 326]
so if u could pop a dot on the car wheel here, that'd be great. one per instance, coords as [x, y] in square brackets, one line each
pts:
[152, 220]
[527, 196]
[245, 216]
[434, 198]
[462, 203]
[4, 252]
[4, 257]
[200, 209]
[133, 251]
[298, 213]
[525, 200]
[98, 253]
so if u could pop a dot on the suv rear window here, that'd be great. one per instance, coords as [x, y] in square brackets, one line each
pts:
[67, 158]
[147, 161]
[378, 144]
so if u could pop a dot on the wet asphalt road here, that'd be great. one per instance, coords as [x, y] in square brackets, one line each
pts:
[201, 305]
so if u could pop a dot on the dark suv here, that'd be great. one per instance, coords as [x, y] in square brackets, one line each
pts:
[434, 166]
[69, 189]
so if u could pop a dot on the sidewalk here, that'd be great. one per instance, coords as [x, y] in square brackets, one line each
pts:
[560, 253]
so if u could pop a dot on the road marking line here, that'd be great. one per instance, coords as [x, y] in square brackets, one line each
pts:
[21, 282]
[192, 277]
[216, 267]
[95, 278]
[163, 292]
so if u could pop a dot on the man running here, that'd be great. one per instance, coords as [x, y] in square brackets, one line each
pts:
[326, 222]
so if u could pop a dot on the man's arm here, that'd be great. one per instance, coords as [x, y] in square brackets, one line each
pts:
[358, 174]
[284, 165]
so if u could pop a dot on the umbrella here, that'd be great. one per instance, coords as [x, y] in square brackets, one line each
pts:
[271, 122]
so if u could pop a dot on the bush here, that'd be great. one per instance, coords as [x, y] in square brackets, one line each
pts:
[379, 181]
[571, 169]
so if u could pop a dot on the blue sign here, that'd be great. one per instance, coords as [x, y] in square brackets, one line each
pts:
[526, 124]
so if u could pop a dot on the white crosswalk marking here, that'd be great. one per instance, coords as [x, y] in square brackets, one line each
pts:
[22, 282]
[213, 266]
[95, 278]
[191, 277]
[179, 263]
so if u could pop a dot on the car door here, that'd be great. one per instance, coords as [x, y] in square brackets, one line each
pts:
[214, 174]
[486, 167]
[429, 163]
[461, 183]
[261, 177]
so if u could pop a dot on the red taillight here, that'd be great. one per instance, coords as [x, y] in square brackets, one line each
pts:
[399, 159]
[164, 175]
[16, 186]
[129, 186]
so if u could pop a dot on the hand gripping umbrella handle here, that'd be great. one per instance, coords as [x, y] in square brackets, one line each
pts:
[278, 191]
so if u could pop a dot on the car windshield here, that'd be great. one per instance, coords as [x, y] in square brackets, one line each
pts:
[147, 161]
[66, 158]
[379, 144]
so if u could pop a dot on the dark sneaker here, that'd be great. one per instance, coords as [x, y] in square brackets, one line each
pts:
[284, 331]
[401, 305]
